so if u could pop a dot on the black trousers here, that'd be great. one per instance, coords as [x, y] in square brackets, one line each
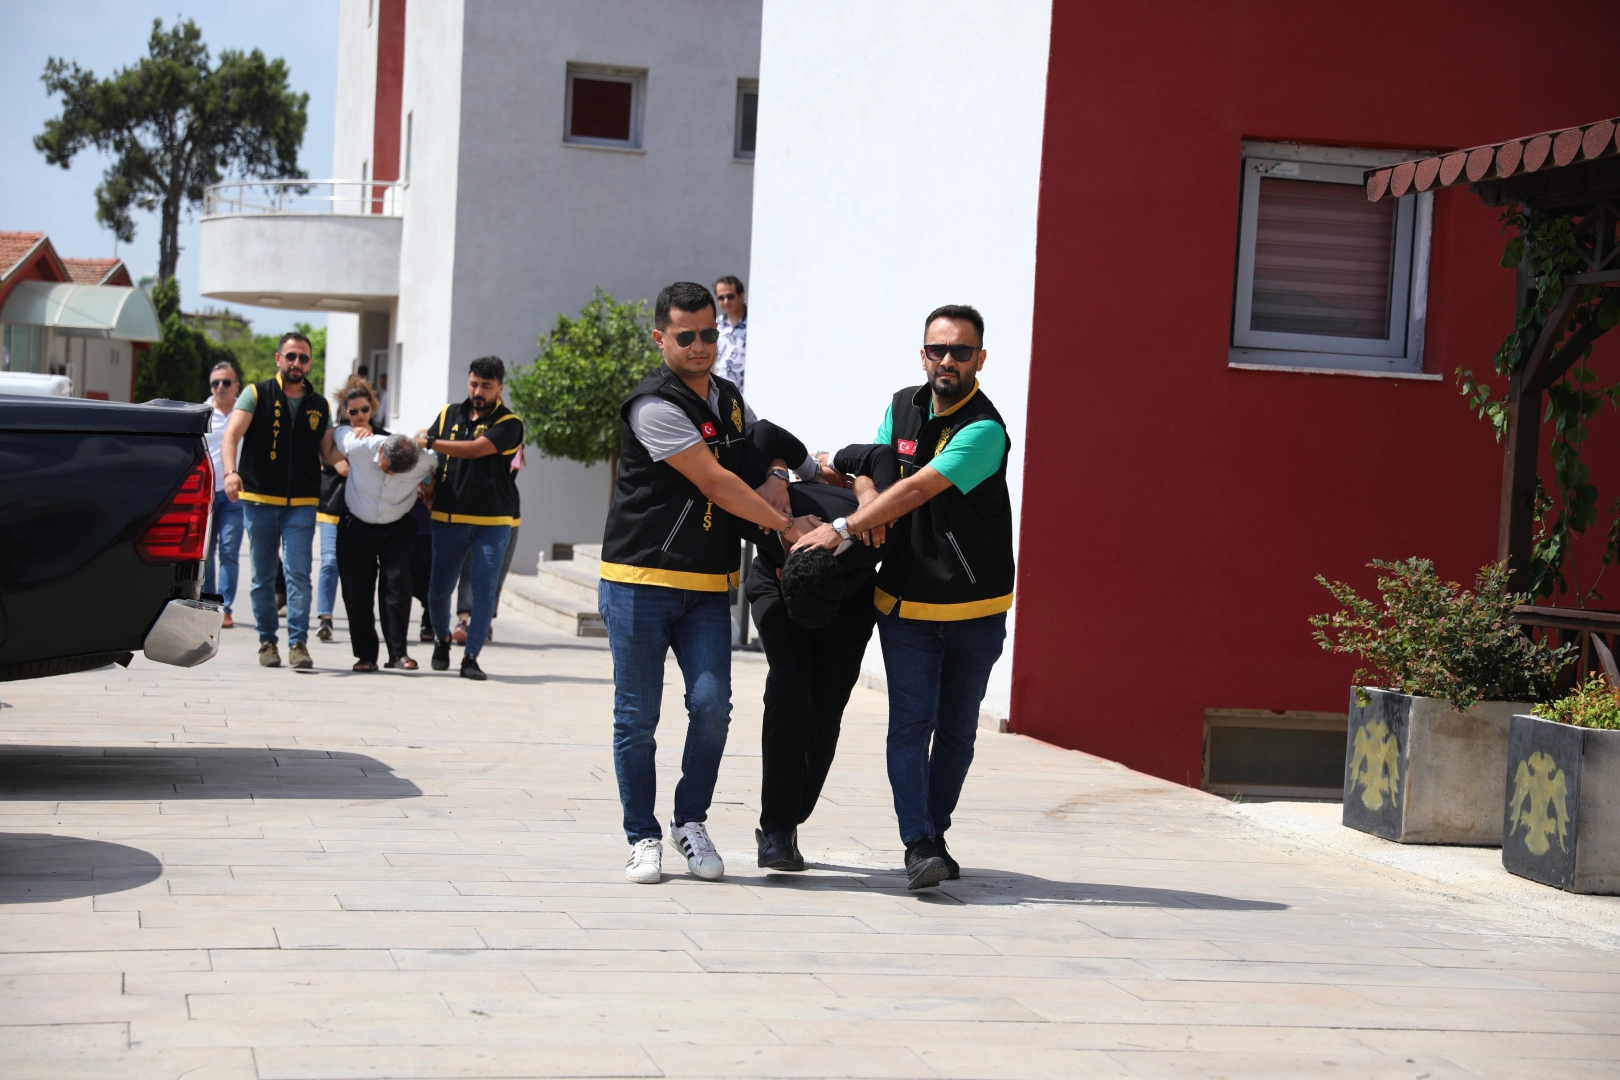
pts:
[364, 551]
[811, 675]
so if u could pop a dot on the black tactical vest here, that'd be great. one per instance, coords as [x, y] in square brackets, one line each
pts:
[953, 555]
[280, 461]
[661, 530]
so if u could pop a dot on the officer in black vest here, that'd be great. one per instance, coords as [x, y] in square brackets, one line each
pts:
[669, 553]
[285, 429]
[947, 579]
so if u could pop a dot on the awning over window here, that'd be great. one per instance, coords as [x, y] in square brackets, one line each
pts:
[109, 311]
[1497, 161]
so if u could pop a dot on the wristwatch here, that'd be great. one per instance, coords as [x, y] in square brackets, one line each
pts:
[431, 439]
[782, 474]
[841, 527]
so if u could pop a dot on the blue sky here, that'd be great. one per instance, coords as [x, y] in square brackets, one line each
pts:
[110, 34]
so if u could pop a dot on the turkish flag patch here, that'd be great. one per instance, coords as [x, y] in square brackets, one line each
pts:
[707, 429]
[908, 446]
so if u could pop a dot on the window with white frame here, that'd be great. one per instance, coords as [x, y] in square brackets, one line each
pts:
[604, 107]
[1325, 279]
[747, 118]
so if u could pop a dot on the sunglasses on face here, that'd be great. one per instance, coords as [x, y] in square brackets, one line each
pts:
[725, 297]
[215, 384]
[364, 410]
[296, 357]
[685, 338]
[960, 353]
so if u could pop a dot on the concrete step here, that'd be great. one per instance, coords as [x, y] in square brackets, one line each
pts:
[528, 594]
[588, 558]
[567, 579]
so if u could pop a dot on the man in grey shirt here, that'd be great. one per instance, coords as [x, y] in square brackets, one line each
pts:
[665, 431]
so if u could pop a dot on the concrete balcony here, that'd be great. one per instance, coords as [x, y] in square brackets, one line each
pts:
[329, 245]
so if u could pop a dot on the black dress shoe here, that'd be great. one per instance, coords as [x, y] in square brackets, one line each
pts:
[427, 632]
[950, 864]
[924, 867]
[778, 850]
[441, 655]
[471, 670]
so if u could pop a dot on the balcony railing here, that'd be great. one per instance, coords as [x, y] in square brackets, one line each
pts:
[381, 197]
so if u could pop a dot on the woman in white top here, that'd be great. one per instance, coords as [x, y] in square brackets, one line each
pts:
[377, 535]
[225, 543]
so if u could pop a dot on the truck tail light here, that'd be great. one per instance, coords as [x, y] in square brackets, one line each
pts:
[179, 532]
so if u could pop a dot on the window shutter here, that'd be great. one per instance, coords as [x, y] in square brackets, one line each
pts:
[1323, 260]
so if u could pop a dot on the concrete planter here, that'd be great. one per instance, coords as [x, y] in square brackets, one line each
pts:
[1562, 822]
[1417, 771]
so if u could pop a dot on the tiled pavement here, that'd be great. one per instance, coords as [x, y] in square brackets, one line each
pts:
[234, 872]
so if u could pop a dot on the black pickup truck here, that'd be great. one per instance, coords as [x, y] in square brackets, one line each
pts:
[104, 515]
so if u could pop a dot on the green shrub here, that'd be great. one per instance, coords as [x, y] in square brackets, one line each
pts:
[1592, 704]
[1436, 639]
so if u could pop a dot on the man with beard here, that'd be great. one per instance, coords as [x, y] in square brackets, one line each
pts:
[278, 434]
[947, 579]
[475, 505]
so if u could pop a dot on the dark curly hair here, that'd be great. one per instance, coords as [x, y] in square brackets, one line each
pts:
[812, 586]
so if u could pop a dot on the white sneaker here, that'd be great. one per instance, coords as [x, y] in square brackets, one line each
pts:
[646, 865]
[692, 840]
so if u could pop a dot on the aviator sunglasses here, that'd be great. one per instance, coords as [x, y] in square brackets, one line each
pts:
[215, 384]
[685, 338]
[364, 410]
[960, 353]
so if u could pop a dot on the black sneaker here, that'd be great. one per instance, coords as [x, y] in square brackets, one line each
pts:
[779, 850]
[471, 670]
[950, 864]
[924, 867]
[441, 655]
[325, 632]
[427, 631]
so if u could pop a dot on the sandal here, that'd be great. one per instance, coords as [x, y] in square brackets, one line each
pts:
[404, 663]
[364, 665]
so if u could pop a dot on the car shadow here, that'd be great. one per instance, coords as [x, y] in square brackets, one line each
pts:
[982, 886]
[41, 867]
[127, 773]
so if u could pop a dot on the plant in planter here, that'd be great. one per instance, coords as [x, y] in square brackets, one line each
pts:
[1561, 826]
[1446, 669]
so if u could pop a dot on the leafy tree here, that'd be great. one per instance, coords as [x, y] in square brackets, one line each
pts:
[177, 366]
[255, 354]
[569, 398]
[174, 124]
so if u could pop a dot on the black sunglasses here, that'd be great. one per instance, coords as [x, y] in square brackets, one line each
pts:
[361, 411]
[960, 353]
[295, 357]
[215, 384]
[724, 296]
[685, 338]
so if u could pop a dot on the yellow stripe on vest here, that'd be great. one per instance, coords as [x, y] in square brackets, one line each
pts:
[669, 579]
[472, 519]
[276, 500]
[910, 609]
[328, 519]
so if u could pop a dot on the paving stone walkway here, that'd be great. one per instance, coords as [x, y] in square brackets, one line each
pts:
[234, 872]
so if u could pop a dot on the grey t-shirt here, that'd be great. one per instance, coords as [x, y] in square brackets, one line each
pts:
[665, 430]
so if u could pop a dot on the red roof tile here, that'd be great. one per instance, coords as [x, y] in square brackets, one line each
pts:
[14, 246]
[90, 271]
[1548, 150]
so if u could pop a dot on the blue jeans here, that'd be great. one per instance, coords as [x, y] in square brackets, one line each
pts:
[285, 535]
[937, 672]
[326, 583]
[643, 623]
[451, 545]
[224, 548]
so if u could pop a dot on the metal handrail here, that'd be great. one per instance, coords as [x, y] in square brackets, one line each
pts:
[354, 197]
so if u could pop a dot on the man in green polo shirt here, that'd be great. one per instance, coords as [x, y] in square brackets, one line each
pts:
[947, 578]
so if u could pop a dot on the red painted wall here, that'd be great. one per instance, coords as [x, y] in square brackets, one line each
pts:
[1175, 510]
[386, 118]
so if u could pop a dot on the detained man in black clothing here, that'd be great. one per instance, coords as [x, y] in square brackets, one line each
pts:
[815, 615]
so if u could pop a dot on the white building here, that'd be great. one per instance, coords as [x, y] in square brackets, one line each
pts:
[898, 170]
[498, 162]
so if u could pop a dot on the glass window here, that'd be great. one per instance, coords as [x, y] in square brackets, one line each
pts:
[1326, 279]
[747, 117]
[604, 107]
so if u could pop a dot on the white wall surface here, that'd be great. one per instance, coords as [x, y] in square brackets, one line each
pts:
[898, 169]
[300, 258]
[539, 224]
[352, 139]
[432, 91]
